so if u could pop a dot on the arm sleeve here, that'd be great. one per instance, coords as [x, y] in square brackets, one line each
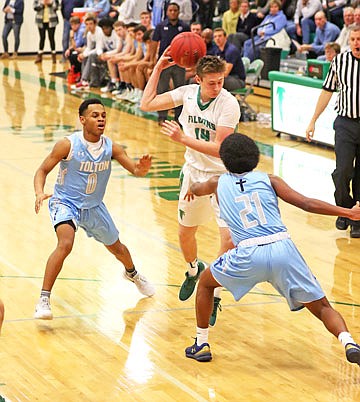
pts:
[177, 95]
[331, 82]
[230, 113]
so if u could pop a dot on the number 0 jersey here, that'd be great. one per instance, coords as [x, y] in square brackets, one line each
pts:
[83, 176]
[201, 120]
[249, 205]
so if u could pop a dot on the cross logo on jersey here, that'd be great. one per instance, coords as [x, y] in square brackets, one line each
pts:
[241, 183]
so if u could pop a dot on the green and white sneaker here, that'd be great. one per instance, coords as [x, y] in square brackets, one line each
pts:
[188, 286]
[217, 306]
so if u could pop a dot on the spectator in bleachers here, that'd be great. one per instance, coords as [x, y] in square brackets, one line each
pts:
[67, 7]
[207, 35]
[190, 73]
[128, 69]
[357, 16]
[185, 14]
[245, 23]
[196, 27]
[145, 66]
[205, 13]
[235, 70]
[304, 19]
[100, 7]
[127, 65]
[93, 49]
[76, 43]
[278, 21]
[127, 11]
[343, 38]
[157, 9]
[14, 17]
[325, 32]
[110, 38]
[332, 49]
[145, 20]
[113, 13]
[164, 34]
[46, 20]
[114, 56]
[334, 10]
[230, 17]
[126, 54]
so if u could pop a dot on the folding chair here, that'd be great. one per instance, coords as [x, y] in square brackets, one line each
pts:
[246, 63]
[252, 77]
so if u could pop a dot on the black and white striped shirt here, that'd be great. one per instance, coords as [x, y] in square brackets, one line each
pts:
[344, 75]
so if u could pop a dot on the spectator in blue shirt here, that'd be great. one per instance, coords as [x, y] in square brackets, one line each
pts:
[67, 7]
[325, 32]
[278, 21]
[235, 71]
[76, 43]
[100, 7]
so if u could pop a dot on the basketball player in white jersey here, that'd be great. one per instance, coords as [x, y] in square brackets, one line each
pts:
[84, 160]
[209, 115]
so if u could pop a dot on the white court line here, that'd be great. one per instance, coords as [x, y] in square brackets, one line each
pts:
[91, 323]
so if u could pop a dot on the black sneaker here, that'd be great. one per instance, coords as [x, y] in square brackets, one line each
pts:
[341, 223]
[352, 351]
[355, 232]
[200, 353]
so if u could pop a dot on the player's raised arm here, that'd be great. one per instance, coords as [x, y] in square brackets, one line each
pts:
[60, 151]
[151, 101]
[289, 195]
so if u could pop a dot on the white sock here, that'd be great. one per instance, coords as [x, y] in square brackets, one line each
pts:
[217, 292]
[345, 338]
[202, 335]
[192, 267]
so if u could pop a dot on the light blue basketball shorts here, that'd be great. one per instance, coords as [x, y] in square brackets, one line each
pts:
[96, 221]
[278, 263]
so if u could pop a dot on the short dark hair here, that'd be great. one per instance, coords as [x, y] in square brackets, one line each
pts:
[86, 103]
[173, 4]
[106, 23]
[139, 27]
[148, 35]
[210, 64]
[239, 153]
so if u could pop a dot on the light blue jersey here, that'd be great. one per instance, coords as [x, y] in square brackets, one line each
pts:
[80, 189]
[82, 177]
[249, 205]
[264, 251]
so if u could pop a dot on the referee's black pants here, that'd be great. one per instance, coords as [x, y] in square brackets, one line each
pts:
[177, 75]
[347, 152]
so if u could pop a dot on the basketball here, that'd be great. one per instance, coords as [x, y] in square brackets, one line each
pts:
[187, 48]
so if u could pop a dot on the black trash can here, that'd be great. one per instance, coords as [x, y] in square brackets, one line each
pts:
[271, 57]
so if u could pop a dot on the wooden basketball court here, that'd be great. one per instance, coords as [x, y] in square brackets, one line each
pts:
[108, 344]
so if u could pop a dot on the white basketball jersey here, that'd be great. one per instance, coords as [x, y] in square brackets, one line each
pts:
[201, 120]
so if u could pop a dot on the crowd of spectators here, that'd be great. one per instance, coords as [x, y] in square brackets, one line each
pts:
[111, 47]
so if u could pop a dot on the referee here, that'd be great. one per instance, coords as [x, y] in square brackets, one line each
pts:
[344, 76]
